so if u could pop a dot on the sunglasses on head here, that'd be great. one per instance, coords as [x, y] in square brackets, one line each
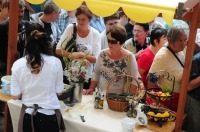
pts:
[112, 41]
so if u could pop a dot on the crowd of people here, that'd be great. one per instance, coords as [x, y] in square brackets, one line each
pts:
[107, 45]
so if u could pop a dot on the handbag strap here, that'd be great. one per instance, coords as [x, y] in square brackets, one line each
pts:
[175, 56]
[129, 65]
[74, 31]
[128, 73]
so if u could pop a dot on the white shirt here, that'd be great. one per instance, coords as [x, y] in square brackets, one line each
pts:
[91, 43]
[104, 40]
[39, 88]
[165, 60]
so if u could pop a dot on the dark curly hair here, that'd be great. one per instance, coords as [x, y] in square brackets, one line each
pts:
[37, 43]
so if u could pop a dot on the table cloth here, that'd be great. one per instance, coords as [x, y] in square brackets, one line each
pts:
[96, 120]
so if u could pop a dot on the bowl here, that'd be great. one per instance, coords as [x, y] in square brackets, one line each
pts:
[158, 94]
[128, 124]
[158, 114]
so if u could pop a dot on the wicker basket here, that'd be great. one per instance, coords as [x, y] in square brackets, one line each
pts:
[122, 106]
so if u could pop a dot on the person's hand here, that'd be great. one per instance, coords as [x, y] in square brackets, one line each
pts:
[86, 63]
[88, 92]
[77, 55]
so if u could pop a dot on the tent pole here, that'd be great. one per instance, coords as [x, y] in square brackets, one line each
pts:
[12, 34]
[186, 71]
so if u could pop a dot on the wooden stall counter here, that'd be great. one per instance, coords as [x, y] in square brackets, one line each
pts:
[153, 126]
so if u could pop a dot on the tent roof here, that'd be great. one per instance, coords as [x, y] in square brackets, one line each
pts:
[138, 10]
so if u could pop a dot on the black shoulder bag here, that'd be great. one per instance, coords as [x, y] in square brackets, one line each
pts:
[71, 44]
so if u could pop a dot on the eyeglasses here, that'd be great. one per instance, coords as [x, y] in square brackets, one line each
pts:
[112, 41]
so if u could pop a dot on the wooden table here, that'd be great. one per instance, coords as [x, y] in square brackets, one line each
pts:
[153, 126]
[7, 119]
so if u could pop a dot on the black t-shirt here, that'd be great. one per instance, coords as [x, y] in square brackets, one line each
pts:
[195, 72]
[47, 27]
[129, 30]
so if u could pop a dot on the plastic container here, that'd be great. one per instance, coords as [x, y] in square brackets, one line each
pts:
[6, 81]
[141, 119]
[128, 124]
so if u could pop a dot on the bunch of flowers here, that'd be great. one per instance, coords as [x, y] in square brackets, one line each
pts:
[74, 70]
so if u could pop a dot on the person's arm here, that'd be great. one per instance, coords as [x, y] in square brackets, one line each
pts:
[59, 77]
[15, 90]
[80, 55]
[16, 97]
[91, 89]
[194, 84]
[65, 38]
[95, 78]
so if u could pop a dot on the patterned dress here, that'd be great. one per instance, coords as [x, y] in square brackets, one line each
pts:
[107, 68]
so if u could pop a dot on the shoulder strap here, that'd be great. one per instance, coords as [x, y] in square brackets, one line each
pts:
[129, 64]
[74, 31]
[128, 81]
[133, 42]
[175, 56]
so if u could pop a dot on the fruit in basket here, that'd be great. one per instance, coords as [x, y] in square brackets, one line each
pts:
[151, 113]
[166, 89]
[167, 94]
[155, 119]
[166, 114]
[152, 92]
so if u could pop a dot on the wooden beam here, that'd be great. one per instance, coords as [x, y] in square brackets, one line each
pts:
[12, 33]
[186, 71]
[198, 21]
[184, 6]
